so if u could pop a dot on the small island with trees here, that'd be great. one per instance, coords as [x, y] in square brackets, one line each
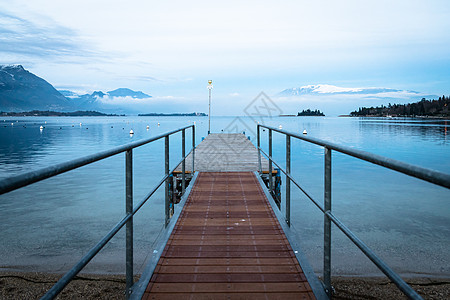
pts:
[424, 108]
[310, 113]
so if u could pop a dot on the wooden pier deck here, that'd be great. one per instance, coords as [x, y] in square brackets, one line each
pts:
[222, 152]
[228, 244]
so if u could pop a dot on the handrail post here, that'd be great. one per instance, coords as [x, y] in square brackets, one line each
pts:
[193, 150]
[288, 181]
[167, 179]
[270, 162]
[129, 225]
[327, 224]
[183, 164]
[259, 146]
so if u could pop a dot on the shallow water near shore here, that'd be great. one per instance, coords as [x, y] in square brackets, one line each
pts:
[49, 225]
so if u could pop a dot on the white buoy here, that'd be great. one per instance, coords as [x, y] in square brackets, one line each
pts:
[12, 124]
[148, 127]
[280, 127]
[304, 132]
[41, 128]
[158, 124]
[131, 132]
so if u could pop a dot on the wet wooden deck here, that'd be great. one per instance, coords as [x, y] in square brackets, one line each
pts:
[224, 152]
[228, 244]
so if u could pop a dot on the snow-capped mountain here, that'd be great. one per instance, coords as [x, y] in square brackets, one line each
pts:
[322, 89]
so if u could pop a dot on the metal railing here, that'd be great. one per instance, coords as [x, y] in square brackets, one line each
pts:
[19, 181]
[428, 175]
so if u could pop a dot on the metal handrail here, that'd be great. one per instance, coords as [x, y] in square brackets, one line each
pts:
[19, 181]
[438, 178]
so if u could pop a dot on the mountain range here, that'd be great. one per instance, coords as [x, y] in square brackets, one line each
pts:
[21, 90]
[96, 100]
[323, 89]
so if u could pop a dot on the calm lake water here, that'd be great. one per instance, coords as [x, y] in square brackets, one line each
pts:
[49, 225]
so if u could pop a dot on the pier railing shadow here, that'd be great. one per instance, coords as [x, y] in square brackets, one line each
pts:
[22, 180]
[435, 177]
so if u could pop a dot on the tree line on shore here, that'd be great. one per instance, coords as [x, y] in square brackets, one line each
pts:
[425, 108]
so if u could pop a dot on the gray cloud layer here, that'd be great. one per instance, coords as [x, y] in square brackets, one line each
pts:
[22, 37]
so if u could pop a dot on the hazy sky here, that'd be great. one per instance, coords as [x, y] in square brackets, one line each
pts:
[169, 49]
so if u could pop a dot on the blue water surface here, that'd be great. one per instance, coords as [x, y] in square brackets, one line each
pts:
[49, 225]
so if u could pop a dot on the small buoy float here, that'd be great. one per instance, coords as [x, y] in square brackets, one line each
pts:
[12, 124]
[280, 127]
[158, 124]
[42, 127]
[304, 132]
[80, 124]
[148, 127]
[131, 131]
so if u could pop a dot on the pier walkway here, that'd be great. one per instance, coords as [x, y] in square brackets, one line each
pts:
[228, 244]
[225, 152]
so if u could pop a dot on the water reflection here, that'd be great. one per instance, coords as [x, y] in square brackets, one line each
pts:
[435, 130]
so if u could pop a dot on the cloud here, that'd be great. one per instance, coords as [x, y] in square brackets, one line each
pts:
[335, 101]
[19, 36]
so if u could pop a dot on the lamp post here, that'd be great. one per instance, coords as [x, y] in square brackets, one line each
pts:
[209, 113]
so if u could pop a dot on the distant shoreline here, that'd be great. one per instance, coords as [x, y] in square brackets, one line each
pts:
[91, 113]
[401, 117]
[49, 113]
[194, 114]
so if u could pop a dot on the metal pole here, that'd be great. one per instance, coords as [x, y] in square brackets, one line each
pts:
[193, 150]
[270, 162]
[209, 113]
[288, 181]
[259, 146]
[327, 224]
[183, 164]
[129, 225]
[167, 180]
